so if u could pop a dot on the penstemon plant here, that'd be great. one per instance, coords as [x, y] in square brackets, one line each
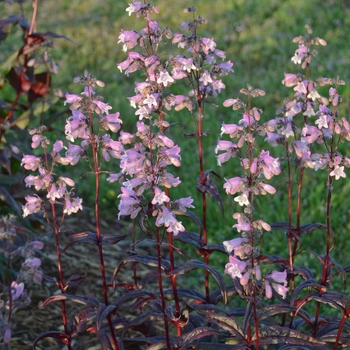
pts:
[281, 305]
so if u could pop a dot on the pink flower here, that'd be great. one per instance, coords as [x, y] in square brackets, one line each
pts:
[159, 197]
[290, 79]
[111, 148]
[111, 122]
[134, 7]
[164, 78]
[16, 290]
[73, 99]
[232, 129]
[30, 162]
[74, 153]
[126, 138]
[184, 203]
[235, 267]
[234, 185]
[234, 243]
[129, 39]
[171, 155]
[266, 188]
[280, 277]
[101, 107]
[33, 263]
[242, 226]
[206, 78]
[32, 206]
[268, 289]
[338, 172]
[129, 203]
[72, 205]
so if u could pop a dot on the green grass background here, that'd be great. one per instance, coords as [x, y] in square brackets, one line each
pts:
[257, 37]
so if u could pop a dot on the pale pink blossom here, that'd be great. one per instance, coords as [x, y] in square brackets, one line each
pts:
[164, 78]
[30, 162]
[159, 197]
[72, 205]
[234, 243]
[32, 206]
[235, 267]
[16, 290]
[338, 172]
[234, 185]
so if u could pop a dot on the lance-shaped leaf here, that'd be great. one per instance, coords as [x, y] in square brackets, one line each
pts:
[78, 322]
[88, 300]
[186, 294]
[194, 264]
[228, 323]
[293, 347]
[330, 327]
[340, 271]
[102, 313]
[283, 335]
[218, 346]
[209, 187]
[104, 340]
[75, 280]
[195, 334]
[207, 249]
[334, 299]
[247, 316]
[62, 337]
[189, 214]
[216, 296]
[110, 239]
[331, 338]
[133, 343]
[189, 238]
[82, 237]
[303, 285]
[133, 295]
[273, 310]
[143, 259]
[147, 316]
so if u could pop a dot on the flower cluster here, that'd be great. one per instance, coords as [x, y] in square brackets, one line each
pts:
[322, 124]
[243, 252]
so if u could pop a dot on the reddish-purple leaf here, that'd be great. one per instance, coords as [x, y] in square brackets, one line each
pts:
[75, 280]
[134, 294]
[110, 239]
[283, 335]
[40, 87]
[144, 259]
[102, 313]
[209, 187]
[62, 337]
[228, 323]
[190, 238]
[82, 237]
[104, 340]
[303, 285]
[88, 300]
[195, 334]
[194, 264]
[78, 322]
